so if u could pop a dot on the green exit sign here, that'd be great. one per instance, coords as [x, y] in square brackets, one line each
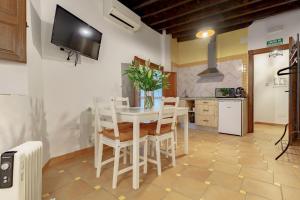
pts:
[274, 42]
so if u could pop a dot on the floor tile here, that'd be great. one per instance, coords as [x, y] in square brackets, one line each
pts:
[266, 190]
[232, 169]
[227, 159]
[254, 197]
[225, 180]
[56, 181]
[200, 174]
[189, 187]
[290, 193]
[149, 192]
[74, 191]
[96, 195]
[163, 181]
[215, 192]
[218, 167]
[175, 196]
[287, 179]
[258, 174]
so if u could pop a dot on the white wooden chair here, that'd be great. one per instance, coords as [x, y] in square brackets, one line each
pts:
[119, 102]
[117, 137]
[122, 102]
[163, 130]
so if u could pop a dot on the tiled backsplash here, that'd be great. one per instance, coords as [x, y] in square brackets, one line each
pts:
[195, 86]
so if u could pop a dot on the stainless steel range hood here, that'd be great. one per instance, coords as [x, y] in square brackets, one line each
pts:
[212, 70]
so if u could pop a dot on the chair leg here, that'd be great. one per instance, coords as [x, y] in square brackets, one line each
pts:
[97, 138]
[99, 159]
[131, 153]
[145, 156]
[173, 150]
[149, 148]
[167, 148]
[152, 149]
[116, 167]
[125, 155]
[157, 148]
[176, 139]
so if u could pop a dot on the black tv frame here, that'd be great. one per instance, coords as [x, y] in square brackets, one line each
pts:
[72, 51]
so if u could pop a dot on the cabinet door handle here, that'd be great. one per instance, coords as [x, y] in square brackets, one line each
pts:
[205, 110]
[228, 107]
[205, 120]
[205, 102]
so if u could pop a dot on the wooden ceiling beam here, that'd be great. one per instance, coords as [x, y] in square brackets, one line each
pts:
[166, 8]
[226, 8]
[235, 21]
[232, 23]
[240, 13]
[144, 4]
[185, 9]
[192, 36]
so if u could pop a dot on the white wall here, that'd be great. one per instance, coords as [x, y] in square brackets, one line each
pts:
[69, 90]
[24, 84]
[258, 33]
[270, 102]
[166, 51]
[63, 93]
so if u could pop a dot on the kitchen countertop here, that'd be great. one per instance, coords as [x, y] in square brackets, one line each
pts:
[194, 98]
[210, 98]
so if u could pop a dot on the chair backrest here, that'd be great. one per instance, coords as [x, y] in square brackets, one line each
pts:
[167, 112]
[106, 117]
[122, 102]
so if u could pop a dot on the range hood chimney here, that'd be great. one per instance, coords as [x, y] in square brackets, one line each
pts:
[212, 70]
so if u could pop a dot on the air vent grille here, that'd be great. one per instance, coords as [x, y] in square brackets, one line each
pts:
[114, 16]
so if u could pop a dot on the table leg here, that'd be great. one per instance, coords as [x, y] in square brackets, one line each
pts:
[186, 134]
[96, 146]
[136, 159]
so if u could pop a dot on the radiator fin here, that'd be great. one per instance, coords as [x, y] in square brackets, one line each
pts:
[32, 152]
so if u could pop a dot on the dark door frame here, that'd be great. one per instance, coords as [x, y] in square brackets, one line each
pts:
[251, 55]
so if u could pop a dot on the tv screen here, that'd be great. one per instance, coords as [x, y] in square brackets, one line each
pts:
[72, 33]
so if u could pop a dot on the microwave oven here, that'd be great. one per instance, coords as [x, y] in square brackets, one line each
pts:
[225, 93]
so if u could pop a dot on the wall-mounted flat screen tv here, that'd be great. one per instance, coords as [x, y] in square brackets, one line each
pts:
[72, 33]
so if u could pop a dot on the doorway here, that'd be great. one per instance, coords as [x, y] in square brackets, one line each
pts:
[251, 102]
[271, 98]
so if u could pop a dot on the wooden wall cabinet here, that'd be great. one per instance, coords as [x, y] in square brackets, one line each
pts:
[13, 30]
[172, 90]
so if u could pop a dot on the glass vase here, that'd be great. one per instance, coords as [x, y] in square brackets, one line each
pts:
[149, 102]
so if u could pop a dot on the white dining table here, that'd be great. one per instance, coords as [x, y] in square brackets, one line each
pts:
[136, 115]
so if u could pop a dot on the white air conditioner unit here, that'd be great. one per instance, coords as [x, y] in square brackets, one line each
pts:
[116, 12]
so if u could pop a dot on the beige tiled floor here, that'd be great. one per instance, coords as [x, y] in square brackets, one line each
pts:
[218, 167]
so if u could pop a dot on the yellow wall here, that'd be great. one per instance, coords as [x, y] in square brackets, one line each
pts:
[228, 44]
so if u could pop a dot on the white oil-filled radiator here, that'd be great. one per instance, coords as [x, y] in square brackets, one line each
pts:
[21, 172]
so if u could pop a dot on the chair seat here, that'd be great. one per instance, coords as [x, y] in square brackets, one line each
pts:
[125, 125]
[151, 128]
[125, 133]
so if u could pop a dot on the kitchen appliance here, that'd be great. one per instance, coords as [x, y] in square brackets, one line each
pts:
[225, 92]
[240, 92]
[21, 172]
[212, 70]
[232, 116]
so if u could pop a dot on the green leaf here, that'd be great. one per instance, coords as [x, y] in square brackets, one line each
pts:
[145, 78]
